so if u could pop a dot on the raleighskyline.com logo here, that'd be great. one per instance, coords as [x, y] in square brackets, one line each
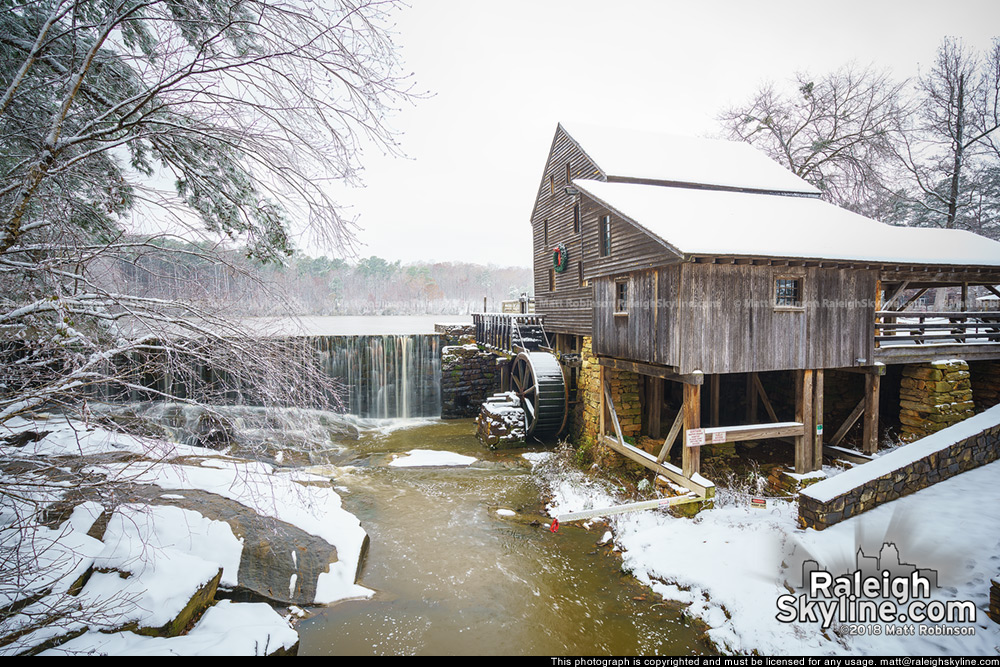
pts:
[882, 596]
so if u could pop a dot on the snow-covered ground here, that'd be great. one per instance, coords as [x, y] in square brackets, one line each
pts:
[150, 560]
[732, 563]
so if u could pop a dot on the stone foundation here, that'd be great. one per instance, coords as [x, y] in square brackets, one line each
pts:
[934, 396]
[456, 334]
[783, 481]
[500, 424]
[901, 472]
[468, 376]
[624, 387]
[985, 378]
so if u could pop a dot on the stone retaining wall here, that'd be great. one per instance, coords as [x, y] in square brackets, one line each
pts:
[973, 443]
[468, 376]
[933, 396]
[456, 334]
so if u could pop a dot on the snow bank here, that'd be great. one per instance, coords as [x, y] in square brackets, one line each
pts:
[419, 458]
[228, 628]
[730, 564]
[901, 457]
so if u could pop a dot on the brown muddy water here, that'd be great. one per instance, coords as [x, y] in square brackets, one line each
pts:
[452, 577]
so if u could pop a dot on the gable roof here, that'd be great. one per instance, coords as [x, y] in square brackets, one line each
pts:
[724, 223]
[683, 161]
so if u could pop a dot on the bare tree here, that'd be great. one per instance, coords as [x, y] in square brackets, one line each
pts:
[249, 107]
[834, 131]
[949, 148]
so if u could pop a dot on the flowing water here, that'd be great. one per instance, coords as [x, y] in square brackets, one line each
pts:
[453, 576]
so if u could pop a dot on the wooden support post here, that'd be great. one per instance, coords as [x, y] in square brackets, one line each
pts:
[691, 456]
[869, 443]
[504, 374]
[848, 423]
[763, 398]
[804, 414]
[818, 420]
[675, 429]
[654, 405]
[714, 388]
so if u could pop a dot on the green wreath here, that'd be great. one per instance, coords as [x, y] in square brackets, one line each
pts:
[559, 258]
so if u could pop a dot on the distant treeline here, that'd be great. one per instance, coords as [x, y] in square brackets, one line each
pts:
[318, 285]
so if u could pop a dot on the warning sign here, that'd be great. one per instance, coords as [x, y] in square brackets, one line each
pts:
[694, 437]
[718, 437]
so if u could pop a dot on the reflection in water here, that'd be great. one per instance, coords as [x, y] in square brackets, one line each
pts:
[455, 577]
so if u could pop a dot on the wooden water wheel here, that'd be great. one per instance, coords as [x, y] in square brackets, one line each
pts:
[537, 379]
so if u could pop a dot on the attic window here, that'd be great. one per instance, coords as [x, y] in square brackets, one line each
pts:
[604, 235]
[569, 177]
[576, 218]
[788, 292]
[545, 232]
[552, 184]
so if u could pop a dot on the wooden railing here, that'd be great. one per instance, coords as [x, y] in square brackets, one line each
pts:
[902, 328]
[509, 332]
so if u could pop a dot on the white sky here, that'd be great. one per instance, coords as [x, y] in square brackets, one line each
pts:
[503, 74]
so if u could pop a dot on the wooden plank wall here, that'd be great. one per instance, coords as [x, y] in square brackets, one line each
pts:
[649, 332]
[728, 323]
[632, 248]
[569, 308]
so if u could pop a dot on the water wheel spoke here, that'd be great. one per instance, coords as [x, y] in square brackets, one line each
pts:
[529, 390]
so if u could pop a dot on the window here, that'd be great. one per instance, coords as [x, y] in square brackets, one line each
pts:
[552, 280]
[621, 297]
[569, 176]
[545, 232]
[579, 266]
[576, 218]
[552, 184]
[605, 235]
[787, 292]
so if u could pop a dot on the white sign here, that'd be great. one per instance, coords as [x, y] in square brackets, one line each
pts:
[718, 437]
[694, 437]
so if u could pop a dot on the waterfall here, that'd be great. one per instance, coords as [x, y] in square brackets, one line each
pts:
[379, 376]
[387, 375]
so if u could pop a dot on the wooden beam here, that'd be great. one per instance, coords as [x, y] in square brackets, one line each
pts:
[847, 454]
[913, 298]
[877, 369]
[804, 413]
[675, 429]
[755, 431]
[665, 372]
[870, 437]
[899, 290]
[654, 405]
[700, 485]
[818, 420]
[763, 398]
[691, 456]
[713, 383]
[848, 423]
[614, 414]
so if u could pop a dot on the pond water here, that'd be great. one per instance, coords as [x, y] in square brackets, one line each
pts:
[453, 576]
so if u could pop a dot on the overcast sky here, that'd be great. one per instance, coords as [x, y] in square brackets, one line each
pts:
[503, 74]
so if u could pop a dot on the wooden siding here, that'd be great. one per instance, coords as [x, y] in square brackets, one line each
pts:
[648, 333]
[569, 308]
[728, 322]
[720, 318]
[632, 247]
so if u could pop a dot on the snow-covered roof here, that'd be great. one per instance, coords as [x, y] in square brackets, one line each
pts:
[712, 222]
[663, 157]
